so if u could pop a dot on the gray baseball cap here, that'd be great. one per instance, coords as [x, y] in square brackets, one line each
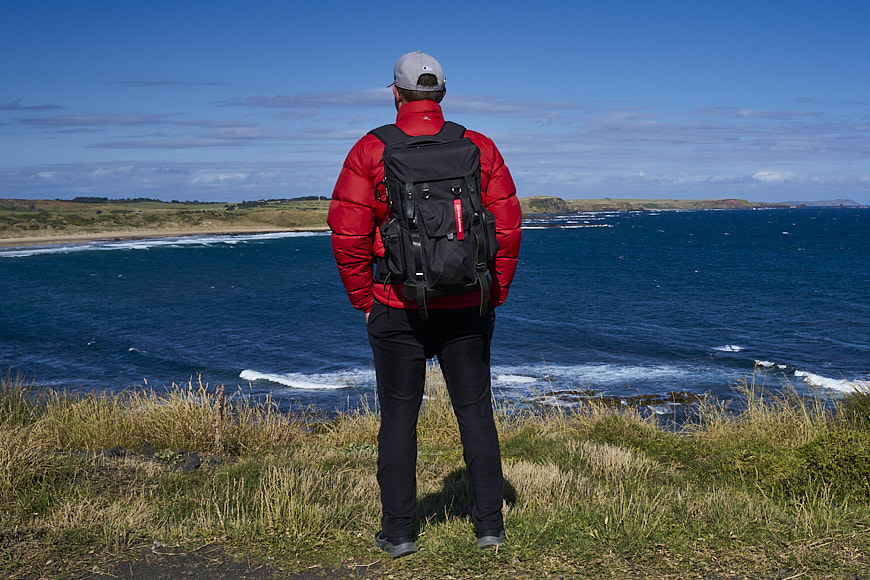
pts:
[410, 66]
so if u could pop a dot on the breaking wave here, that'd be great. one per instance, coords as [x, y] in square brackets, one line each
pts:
[149, 243]
[729, 348]
[840, 385]
[312, 382]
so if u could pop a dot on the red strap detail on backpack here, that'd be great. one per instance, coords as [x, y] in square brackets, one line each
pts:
[457, 211]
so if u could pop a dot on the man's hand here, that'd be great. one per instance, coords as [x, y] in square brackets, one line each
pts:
[367, 316]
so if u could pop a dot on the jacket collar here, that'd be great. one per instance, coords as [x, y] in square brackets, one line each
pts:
[416, 108]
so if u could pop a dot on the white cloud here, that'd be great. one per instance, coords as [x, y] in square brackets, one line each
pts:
[96, 120]
[574, 150]
[740, 113]
[112, 170]
[218, 178]
[773, 176]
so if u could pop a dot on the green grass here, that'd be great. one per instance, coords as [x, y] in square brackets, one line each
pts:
[779, 490]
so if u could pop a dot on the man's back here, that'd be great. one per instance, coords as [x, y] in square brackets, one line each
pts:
[354, 197]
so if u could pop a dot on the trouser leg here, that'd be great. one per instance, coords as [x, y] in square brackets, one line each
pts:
[464, 357]
[400, 370]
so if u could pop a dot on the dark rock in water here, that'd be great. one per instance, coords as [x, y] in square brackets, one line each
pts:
[576, 397]
[674, 407]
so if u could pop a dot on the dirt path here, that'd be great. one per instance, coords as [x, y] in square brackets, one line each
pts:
[215, 562]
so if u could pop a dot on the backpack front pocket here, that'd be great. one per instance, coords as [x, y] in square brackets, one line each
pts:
[448, 260]
[396, 247]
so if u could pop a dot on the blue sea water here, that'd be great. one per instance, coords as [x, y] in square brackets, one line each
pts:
[610, 305]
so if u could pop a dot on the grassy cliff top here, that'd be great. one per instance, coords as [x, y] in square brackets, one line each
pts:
[95, 483]
[30, 220]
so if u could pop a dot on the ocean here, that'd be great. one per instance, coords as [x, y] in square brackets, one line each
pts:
[628, 308]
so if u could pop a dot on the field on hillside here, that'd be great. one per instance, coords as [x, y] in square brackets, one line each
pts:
[49, 218]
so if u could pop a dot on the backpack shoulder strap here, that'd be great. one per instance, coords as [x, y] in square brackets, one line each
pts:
[389, 134]
[452, 130]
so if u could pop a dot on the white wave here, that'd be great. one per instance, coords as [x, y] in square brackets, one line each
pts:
[729, 348]
[550, 401]
[520, 380]
[514, 379]
[766, 364]
[574, 227]
[842, 385]
[148, 243]
[312, 382]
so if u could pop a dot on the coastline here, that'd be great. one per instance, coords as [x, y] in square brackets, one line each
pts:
[47, 239]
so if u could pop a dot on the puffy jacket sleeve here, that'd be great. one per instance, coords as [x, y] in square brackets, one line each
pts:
[352, 222]
[500, 198]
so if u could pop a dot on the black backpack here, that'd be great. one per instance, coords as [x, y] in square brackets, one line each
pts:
[439, 239]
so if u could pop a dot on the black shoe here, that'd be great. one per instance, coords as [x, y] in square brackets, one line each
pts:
[490, 538]
[395, 547]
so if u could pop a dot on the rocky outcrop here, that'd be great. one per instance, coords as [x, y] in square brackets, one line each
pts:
[532, 205]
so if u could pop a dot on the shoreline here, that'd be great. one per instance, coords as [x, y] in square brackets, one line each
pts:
[140, 234]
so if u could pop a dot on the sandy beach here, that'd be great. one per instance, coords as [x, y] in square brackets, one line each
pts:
[45, 238]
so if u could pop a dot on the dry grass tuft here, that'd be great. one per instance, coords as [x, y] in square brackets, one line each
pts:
[192, 418]
[609, 461]
[21, 455]
[540, 485]
[784, 416]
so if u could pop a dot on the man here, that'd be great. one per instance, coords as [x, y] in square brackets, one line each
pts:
[453, 329]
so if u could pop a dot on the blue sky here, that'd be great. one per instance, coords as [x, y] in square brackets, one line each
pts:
[231, 101]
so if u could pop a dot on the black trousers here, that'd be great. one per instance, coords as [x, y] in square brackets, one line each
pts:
[401, 342]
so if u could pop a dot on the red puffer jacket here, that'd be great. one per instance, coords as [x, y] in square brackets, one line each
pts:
[354, 214]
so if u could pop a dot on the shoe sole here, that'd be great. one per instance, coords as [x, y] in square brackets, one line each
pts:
[398, 550]
[490, 542]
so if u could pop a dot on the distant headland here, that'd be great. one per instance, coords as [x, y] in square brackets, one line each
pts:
[552, 204]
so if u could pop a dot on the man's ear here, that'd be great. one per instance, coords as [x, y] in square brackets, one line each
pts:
[397, 98]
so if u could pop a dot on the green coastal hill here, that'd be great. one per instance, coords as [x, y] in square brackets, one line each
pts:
[553, 204]
[92, 216]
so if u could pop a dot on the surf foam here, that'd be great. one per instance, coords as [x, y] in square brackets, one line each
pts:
[841, 385]
[312, 382]
[729, 348]
[148, 243]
